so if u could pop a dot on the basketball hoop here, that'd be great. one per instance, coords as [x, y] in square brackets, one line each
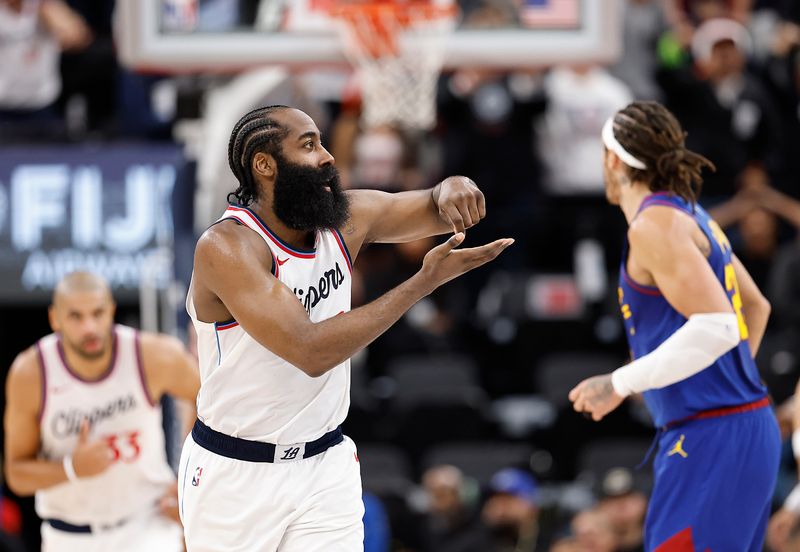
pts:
[397, 49]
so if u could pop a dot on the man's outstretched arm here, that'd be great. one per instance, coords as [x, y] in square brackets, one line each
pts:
[267, 309]
[453, 205]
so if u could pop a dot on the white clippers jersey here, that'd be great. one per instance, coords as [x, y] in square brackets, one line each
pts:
[248, 391]
[120, 411]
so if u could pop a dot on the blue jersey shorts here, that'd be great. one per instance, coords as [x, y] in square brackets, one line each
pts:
[714, 480]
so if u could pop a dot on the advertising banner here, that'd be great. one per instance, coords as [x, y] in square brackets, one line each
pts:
[106, 209]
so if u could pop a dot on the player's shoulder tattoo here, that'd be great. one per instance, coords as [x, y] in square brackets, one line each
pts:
[349, 228]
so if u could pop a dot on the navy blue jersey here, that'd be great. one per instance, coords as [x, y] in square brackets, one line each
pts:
[649, 320]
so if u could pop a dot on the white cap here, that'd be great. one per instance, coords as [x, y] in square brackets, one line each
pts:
[714, 31]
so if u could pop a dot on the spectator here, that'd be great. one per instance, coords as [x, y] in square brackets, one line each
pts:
[625, 507]
[793, 539]
[756, 239]
[594, 532]
[579, 100]
[758, 211]
[726, 112]
[566, 544]
[511, 512]
[643, 23]
[783, 532]
[384, 160]
[486, 116]
[96, 97]
[782, 75]
[452, 524]
[32, 35]
[695, 12]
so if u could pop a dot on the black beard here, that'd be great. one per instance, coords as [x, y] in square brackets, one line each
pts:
[302, 201]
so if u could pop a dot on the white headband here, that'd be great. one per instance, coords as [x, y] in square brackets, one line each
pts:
[611, 143]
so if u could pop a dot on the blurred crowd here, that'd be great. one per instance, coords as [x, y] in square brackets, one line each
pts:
[466, 438]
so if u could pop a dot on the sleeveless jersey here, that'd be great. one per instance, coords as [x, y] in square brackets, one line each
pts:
[248, 391]
[121, 412]
[649, 320]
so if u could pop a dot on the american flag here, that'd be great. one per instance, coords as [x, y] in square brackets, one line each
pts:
[550, 14]
[179, 15]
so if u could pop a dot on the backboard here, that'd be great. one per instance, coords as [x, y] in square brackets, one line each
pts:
[227, 35]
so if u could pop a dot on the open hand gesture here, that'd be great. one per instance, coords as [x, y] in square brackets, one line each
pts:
[444, 262]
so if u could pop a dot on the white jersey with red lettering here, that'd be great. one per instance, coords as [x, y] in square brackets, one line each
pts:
[121, 412]
[247, 391]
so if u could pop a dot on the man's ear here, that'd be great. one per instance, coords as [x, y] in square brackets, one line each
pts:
[264, 164]
[612, 160]
[53, 319]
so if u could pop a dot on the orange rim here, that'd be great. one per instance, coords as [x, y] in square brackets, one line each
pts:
[374, 23]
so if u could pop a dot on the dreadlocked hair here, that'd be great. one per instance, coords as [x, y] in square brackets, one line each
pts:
[654, 136]
[255, 132]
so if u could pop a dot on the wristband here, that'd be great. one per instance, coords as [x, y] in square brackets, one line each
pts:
[69, 469]
[792, 502]
[796, 443]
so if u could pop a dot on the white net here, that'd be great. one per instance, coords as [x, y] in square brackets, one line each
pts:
[397, 66]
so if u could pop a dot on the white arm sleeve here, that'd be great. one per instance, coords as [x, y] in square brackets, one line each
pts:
[695, 346]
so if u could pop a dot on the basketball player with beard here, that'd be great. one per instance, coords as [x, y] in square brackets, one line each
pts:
[83, 426]
[694, 319]
[266, 466]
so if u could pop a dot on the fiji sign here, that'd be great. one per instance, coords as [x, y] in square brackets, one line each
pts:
[108, 210]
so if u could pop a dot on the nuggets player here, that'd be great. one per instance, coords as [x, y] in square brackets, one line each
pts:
[266, 466]
[694, 320]
[83, 426]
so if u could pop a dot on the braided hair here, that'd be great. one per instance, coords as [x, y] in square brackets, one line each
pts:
[255, 132]
[652, 134]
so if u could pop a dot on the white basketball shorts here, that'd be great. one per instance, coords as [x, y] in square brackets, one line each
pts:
[308, 505]
[151, 532]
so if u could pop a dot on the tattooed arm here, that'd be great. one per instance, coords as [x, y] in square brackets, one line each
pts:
[595, 396]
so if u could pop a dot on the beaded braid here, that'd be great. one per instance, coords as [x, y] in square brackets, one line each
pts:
[251, 134]
[651, 133]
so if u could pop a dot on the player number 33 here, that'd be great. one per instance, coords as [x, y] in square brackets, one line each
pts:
[124, 447]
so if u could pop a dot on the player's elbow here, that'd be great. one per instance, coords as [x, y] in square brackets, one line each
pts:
[313, 353]
[317, 371]
[309, 362]
[757, 307]
[15, 481]
[21, 491]
[316, 365]
[763, 306]
[312, 368]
